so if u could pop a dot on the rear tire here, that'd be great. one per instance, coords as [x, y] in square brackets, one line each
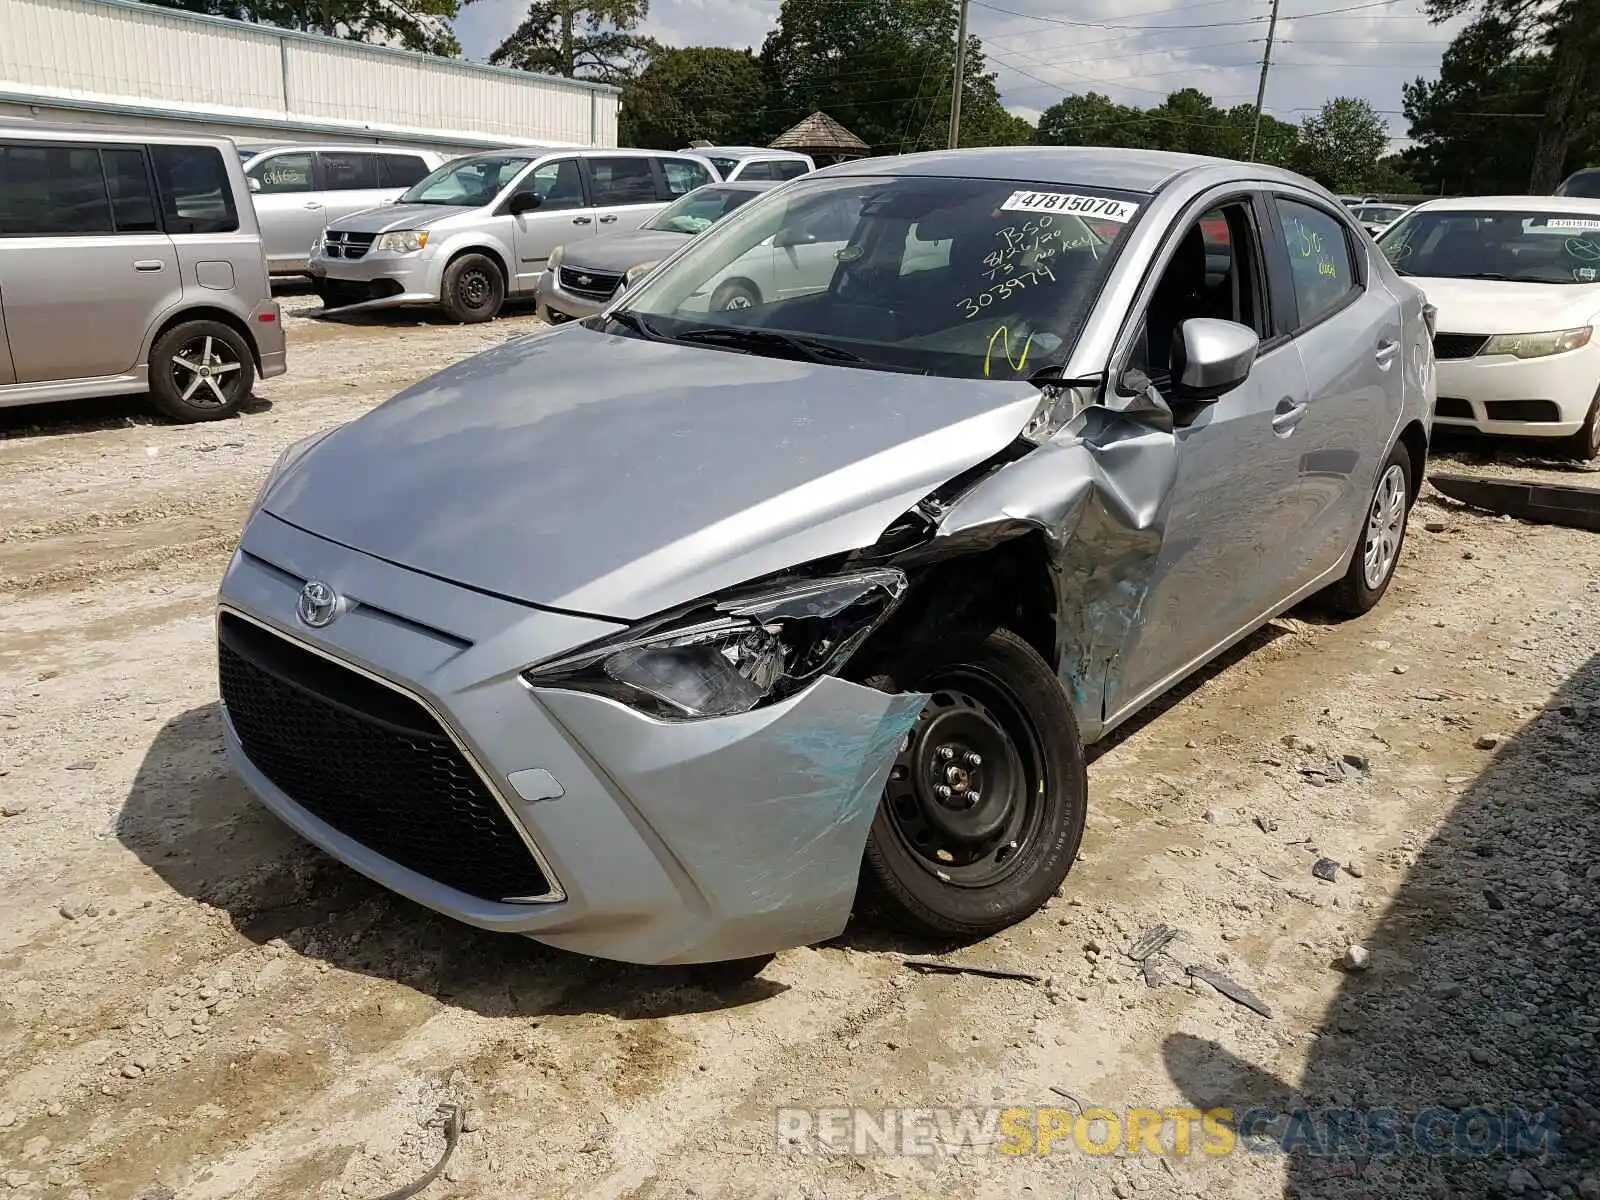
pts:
[1585, 444]
[735, 294]
[200, 371]
[474, 290]
[1001, 735]
[1378, 545]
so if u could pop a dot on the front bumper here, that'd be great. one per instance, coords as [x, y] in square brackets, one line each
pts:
[552, 298]
[1537, 397]
[376, 280]
[667, 842]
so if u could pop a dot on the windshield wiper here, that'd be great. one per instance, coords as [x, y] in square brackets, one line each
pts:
[635, 322]
[767, 339]
[1483, 275]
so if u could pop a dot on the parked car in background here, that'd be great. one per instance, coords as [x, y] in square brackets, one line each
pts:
[1516, 280]
[755, 162]
[1378, 217]
[298, 189]
[479, 230]
[1584, 183]
[582, 283]
[658, 634]
[131, 263]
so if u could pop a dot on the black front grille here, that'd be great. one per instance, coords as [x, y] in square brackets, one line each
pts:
[340, 243]
[593, 285]
[1458, 345]
[1453, 406]
[370, 762]
[1522, 410]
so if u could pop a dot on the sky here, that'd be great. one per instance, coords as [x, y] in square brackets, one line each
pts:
[1042, 49]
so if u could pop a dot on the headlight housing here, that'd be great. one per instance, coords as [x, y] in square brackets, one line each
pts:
[636, 273]
[285, 460]
[554, 260]
[731, 655]
[1538, 345]
[402, 241]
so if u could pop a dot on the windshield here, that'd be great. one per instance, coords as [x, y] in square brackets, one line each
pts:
[1582, 183]
[1524, 247]
[971, 278]
[472, 182]
[1379, 213]
[724, 165]
[700, 209]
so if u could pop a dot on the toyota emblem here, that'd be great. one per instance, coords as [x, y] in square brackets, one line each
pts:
[318, 605]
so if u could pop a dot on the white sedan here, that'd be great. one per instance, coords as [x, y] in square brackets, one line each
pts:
[1516, 282]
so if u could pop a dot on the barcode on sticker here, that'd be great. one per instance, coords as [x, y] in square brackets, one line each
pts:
[1572, 223]
[1120, 211]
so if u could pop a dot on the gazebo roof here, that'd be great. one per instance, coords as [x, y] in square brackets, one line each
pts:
[819, 131]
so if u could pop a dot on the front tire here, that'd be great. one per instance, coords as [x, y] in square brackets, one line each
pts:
[1585, 444]
[735, 295]
[200, 371]
[1378, 545]
[984, 810]
[474, 289]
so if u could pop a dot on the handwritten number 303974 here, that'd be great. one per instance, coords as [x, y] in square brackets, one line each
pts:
[971, 306]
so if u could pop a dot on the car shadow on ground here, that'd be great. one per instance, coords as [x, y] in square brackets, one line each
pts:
[1470, 448]
[105, 412]
[1473, 1031]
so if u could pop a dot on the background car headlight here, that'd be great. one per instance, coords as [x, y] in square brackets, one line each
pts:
[731, 655]
[402, 241]
[554, 260]
[1538, 345]
[634, 274]
[285, 460]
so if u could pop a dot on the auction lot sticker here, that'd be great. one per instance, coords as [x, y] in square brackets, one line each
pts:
[1571, 223]
[1120, 211]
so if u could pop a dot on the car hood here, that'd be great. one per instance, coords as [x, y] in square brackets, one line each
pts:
[619, 251]
[387, 217]
[619, 477]
[1499, 306]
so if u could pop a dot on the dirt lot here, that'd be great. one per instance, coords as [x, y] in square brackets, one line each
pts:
[194, 1004]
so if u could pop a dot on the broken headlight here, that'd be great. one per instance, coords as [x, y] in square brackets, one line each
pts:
[731, 655]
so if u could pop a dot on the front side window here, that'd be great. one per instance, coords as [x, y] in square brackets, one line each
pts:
[349, 172]
[558, 184]
[1523, 247]
[1319, 259]
[699, 210]
[196, 194]
[683, 176]
[969, 278]
[48, 189]
[469, 182]
[618, 181]
[759, 168]
[285, 173]
[790, 168]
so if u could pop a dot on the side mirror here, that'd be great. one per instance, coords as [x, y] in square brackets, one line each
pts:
[1211, 358]
[255, 184]
[524, 202]
[789, 236]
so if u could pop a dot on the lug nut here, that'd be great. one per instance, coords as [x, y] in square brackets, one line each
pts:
[974, 759]
[942, 792]
[973, 798]
[946, 753]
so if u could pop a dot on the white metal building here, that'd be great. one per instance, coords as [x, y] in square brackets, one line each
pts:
[115, 62]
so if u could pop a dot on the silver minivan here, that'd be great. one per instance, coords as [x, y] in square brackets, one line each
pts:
[479, 230]
[298, 189]
[131, 263]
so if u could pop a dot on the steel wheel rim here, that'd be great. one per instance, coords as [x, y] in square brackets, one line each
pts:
[206, 371]
[474, 289]
[979, 844]
[1385, 524]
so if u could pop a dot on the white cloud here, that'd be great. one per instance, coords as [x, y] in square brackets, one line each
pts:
[1043, 49]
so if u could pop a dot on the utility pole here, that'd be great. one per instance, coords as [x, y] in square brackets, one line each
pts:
[1261, 88]
[961, 73]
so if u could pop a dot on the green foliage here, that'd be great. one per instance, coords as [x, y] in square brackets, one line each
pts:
[415, 24]
[708, 92]
[1340, 146]
[580, 39]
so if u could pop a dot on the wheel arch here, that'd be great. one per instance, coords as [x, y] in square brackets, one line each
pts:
[1415, 439]
[205, 312]
[492, 253]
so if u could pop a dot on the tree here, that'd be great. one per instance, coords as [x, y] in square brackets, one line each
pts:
[708, 92]
[579, 39]
[1091, 119]
[413, 24]
[1340, 145]
[1187, 120]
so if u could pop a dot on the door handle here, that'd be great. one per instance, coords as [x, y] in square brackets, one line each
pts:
[580, 220]
[147, 264]
[608, 220]
[1386, 350]
[312, 204]
[1287, 415]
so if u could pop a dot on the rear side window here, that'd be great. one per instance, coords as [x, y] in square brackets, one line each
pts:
[348, 172]
[196, 194]
[1319, 259]
[759, 168]
[683, 176]
[133, 207]
[622, 181]
[790, 168]
[285, 173]
[400, 170]
[52, 190]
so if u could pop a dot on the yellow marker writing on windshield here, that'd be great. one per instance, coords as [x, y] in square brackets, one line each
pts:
[1002, 335]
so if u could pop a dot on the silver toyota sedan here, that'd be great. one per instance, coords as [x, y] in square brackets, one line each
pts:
[678, 633]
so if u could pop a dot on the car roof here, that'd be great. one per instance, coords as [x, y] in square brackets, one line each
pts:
[360, 147]
[1588, 205]
[30, 131]
[741, 185]
[742, 152]
[1084, 166]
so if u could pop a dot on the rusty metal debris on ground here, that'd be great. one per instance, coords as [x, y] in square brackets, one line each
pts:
[933, 966]
[1236, 992]
[1155, 938]
[454, 1116]
[1546, 503]
[1325, 869]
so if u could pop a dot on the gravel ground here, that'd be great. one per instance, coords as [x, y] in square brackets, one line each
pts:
[194, 1004]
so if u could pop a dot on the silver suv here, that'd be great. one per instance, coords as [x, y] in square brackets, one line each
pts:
[131, 263]
[478, 230]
